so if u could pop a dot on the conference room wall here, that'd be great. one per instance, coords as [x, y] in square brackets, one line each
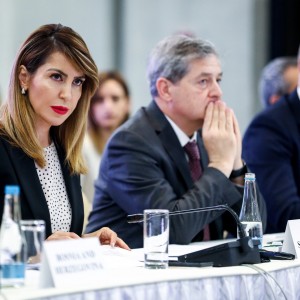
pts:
[121, 33]
[92, 19]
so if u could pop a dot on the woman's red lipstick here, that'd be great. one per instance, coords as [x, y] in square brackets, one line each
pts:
[60, 109]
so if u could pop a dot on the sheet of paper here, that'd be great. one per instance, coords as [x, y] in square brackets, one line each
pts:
[116, 257]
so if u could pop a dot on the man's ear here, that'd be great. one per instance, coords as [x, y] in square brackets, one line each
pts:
[163, 86]
[24, 77]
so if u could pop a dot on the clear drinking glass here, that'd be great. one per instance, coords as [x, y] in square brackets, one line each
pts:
[156, 238]
[34, 235]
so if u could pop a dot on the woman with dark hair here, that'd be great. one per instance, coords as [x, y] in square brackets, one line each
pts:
[42, 127]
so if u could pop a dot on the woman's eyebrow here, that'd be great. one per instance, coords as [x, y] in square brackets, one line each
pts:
[57, 70]
[64, 74]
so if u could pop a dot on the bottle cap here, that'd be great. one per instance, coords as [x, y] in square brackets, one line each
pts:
[12, 189]
[250, 176]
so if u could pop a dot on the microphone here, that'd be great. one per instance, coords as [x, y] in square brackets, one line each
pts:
[242, 251]
[138, 218]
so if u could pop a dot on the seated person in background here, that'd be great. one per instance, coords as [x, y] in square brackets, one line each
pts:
[42, 129]
[278, 77]
[145, 165]
[110, 106]
[271, 148]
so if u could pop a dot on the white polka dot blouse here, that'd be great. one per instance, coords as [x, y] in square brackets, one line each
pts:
[55, 192]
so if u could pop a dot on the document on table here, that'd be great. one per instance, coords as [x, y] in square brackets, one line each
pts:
[116, 257]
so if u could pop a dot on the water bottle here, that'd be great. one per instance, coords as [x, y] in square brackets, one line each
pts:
[12, 254]
[250, 215]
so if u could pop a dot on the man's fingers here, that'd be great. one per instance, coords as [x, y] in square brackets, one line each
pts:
[229, 120]
[222, 115]
[236, 125]
[208, 116]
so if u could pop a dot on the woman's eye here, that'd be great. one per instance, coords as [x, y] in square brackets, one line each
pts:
[56, 76]
[78, 81]
[116, 98]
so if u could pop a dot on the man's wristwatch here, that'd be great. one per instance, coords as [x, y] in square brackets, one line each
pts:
[239, 172]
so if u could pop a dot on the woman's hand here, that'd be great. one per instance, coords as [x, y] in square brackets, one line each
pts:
[61, 235]
[108, 237]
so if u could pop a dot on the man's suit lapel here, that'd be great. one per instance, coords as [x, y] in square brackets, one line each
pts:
[170, 142]
[30, 184]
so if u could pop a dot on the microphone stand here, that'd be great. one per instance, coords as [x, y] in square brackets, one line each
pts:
[242, 251]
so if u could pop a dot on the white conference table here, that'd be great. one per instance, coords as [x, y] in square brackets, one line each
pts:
[135, 282]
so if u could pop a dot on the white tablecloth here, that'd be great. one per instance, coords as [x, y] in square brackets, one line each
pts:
[135, 282]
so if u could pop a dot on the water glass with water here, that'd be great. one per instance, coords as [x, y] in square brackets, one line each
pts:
[156, 238]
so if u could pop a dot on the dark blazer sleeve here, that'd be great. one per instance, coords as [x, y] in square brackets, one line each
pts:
[227, 222]
[271, 148]
[16, 168]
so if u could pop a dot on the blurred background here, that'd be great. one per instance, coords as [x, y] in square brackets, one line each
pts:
[121, 33]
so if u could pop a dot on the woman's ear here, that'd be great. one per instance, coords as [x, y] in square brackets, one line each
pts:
[24, 78]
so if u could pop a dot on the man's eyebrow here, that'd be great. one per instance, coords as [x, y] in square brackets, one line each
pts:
[210, 74]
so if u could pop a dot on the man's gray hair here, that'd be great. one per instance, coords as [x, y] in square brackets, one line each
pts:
[272, 80]
[172, 56]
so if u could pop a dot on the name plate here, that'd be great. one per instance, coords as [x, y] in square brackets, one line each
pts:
[291, 242]
[70, 262]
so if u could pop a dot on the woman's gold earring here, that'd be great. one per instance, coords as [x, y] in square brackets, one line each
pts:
[23, 91]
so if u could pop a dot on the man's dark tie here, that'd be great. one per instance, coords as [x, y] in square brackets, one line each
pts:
[192, 151]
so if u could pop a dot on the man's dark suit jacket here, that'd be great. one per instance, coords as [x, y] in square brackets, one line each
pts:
[271, 148]
[16, 168]
[144, 166]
